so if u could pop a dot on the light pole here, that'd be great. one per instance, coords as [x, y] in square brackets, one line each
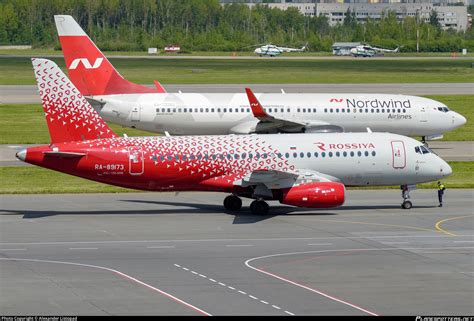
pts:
[417, 32]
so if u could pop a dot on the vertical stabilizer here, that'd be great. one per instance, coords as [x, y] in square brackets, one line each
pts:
[89, 70]
[68, 114]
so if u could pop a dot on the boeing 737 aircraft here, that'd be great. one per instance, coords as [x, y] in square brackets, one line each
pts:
[305, 170]
[154, 110]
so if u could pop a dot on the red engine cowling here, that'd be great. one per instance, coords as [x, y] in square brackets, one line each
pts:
[315, 195]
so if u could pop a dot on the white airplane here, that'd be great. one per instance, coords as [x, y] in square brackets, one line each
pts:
[304, 170]
[152, 109]
[273, 50]
[369, 51]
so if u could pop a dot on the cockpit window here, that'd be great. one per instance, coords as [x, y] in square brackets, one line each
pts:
[423, 150]
[443, 109]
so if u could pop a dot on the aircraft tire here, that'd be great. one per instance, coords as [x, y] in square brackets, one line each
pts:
[232, 203]
[259, 207]
[406, 205]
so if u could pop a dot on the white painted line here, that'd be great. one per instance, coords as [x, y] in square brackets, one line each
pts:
[320, 244]
[160, 247]
[463, 241]
[437, 236]
[120, 274]
[185, 269]
[239, 245]
[83, 248]
[232, 288]
[203, 276]
[394, 243]
[12, 249]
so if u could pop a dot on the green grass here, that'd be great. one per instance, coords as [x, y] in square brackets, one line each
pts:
[25, 124]
[18, 71]
[36, 180]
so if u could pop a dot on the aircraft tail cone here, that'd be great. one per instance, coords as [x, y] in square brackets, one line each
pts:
[21, 155]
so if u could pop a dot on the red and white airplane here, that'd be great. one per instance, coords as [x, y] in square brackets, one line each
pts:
[306, 170]
[152, 109]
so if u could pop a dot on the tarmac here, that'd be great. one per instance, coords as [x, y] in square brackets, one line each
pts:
[28, 94]
[167, 254]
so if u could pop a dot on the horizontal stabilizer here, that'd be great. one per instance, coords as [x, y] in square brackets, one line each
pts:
[64, 154]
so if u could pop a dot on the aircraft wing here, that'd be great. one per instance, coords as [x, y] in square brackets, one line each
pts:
[268, 123]
[276, 179]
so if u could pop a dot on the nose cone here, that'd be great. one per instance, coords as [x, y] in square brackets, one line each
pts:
[258, 51]
[21, 155]
[459, 120]
[445, 169]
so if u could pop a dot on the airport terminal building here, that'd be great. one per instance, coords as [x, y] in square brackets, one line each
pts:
[450, 13]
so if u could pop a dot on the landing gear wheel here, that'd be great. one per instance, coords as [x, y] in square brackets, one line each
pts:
[407, 205]
[259, 207]
[232, 203]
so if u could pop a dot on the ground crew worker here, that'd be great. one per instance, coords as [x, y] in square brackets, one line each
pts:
[441, 189]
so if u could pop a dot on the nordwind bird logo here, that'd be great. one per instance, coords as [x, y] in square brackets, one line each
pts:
[85, 62]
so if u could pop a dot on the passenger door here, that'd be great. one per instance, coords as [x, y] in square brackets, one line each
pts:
[136, 161]
[398, 155]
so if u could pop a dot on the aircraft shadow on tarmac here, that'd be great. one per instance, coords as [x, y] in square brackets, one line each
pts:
[240, 217]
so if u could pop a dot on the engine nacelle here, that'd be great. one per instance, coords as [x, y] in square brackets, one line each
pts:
[315, 195]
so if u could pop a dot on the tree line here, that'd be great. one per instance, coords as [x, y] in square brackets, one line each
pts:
[205, 25]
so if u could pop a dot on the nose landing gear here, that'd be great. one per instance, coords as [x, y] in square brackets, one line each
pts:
[407, 204]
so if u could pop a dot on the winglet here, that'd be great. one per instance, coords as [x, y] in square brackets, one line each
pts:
[257, 109]
[159, 88]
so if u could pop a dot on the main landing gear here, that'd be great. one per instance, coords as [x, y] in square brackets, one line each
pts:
[259, 207]
[407, 204]
[234, 203]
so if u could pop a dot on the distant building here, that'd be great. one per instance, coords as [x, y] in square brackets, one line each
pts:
[451, 13]
[344, 48]
[454, 17]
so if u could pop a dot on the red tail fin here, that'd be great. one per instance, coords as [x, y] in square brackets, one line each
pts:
[88, 68]
[68, 114]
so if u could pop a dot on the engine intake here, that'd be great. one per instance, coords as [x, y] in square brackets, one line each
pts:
[314, 195]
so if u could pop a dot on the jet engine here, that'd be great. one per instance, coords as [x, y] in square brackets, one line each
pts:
[314, 195]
